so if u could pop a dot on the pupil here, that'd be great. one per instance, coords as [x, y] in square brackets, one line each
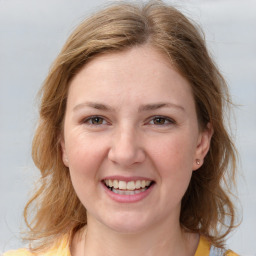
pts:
[159, 121]
[97, 120]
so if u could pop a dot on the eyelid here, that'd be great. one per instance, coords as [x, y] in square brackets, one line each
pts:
[87, 119]
[171, 121]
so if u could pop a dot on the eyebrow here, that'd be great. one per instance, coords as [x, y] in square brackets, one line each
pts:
[142, 108]
[155, 106]
[95, 105]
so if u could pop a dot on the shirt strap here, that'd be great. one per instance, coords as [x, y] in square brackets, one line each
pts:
[214, 251]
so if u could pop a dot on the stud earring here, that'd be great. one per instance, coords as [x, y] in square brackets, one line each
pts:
[197, 161]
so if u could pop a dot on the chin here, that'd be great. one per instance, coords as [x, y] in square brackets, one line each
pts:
[128, 224]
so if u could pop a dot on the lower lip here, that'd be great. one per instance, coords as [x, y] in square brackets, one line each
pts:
[128, 198]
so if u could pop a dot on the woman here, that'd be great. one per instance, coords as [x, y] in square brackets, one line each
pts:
[131, 142]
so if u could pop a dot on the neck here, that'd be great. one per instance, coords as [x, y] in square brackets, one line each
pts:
[160, 241]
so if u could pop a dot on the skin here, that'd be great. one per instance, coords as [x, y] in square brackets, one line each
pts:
[128, 92]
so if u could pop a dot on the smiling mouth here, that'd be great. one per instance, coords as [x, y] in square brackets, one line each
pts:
[127, 188]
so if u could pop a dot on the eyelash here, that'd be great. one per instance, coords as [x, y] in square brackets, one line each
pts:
[166, 119]
[90, 119]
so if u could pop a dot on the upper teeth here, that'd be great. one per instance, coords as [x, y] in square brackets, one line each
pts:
[131, 185]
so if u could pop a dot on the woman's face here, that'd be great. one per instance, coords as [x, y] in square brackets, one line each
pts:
[131, 139]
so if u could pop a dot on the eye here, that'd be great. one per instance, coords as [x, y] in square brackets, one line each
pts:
[161, 121]
[95, 120]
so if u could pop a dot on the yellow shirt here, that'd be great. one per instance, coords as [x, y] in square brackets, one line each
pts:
[62, 249]
[204, 248]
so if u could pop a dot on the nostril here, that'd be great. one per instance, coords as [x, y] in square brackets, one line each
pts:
[126, 156]
[126, 149]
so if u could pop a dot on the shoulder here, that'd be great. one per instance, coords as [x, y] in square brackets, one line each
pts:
[215, 251]
[231, 253]
[205, 248]
[19, 252]
[60, 248]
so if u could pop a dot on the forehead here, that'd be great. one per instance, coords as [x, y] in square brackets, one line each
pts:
[140, 73]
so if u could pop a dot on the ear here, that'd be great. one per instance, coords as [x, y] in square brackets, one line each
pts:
[203, 146]
[64, 153]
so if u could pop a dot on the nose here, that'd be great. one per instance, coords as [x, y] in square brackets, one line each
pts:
[126, 148]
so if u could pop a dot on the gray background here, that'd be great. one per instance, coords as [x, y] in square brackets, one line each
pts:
[31, 35]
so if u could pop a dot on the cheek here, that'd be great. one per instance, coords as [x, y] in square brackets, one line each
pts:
[85, 156]
[84, 151]
[173, 162]
[175, 151]
[173, 159]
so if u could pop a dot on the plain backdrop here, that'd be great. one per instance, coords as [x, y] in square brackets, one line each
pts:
[31, 35]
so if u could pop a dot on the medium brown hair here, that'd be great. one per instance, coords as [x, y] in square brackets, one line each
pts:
[55, 209]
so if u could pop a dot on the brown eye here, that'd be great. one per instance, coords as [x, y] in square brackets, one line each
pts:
[159, 121]
[96, 120]
[162, 121]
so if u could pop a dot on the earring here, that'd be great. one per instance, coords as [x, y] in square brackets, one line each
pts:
[197, 161]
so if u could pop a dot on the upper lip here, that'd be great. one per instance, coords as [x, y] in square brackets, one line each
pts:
[127, 179]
